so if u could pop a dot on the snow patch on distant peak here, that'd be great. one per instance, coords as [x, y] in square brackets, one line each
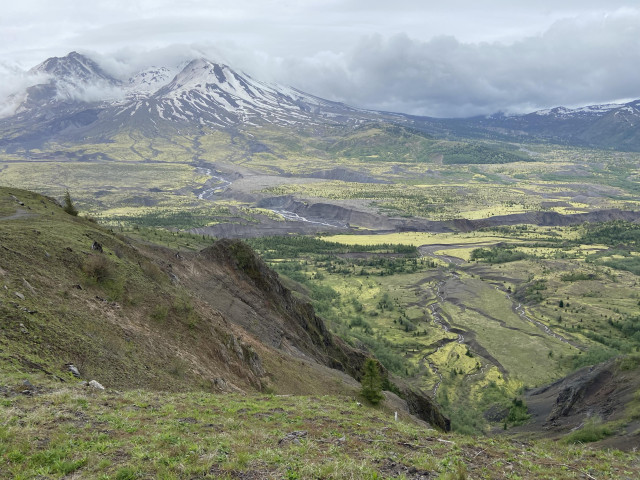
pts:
[199, 90]
[590, 109]
[151, 79]
[75, 68]
[606, 107]
[552, 111]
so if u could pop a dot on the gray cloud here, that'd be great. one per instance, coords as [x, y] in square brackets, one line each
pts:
[15, 82]
[460, 58]
[575, 62]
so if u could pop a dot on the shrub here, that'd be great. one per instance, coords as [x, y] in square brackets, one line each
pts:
[629, 362]
[577, 276]
[518, 413]
[99, 268]
[152, 271]
[68, 206]
[592, 431]
[372, 382]
[498, 254]
[159, 312]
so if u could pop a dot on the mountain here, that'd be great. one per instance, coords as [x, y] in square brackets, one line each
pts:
[74, 78]
[73, 67]
[610, 126]
[212, 94]
[149, 80]
[78, 100]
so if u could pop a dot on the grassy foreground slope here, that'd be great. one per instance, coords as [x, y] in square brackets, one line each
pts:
[107, 310]
[75, 433]
[131, 315]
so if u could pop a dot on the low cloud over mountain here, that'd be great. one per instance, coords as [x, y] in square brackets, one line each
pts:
[575, 62]
[452, 61]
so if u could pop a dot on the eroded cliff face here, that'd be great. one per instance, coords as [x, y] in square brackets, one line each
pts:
[603, 392]
[235, 281]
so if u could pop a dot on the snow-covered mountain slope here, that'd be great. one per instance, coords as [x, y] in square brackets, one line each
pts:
[74, 66]
[590, 110]
[149, 80]
[214, 94]
[79, 99]
[71, 78]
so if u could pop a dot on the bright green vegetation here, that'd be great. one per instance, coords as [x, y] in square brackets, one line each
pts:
[378, 292]
[382, 300]
[430, 201]
[474, 320]
[292, 246]
[623, 242]
[592, 431]
[498, 254]
[447, 179]
[386, 143]
[141, 434]
[344, 285]
[378, 295]
[517, 413]
[573, 309]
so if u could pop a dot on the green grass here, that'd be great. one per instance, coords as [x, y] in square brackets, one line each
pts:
[366, 302]
[134, 434]
[380, 303]
[592, 431]
[81, 306]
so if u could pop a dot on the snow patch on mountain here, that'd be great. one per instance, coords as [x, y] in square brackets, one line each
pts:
[564, 112]
[150, 80]
[214, 94]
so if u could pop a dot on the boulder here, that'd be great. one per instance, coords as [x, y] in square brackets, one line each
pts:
[95, 384]
[74, 370]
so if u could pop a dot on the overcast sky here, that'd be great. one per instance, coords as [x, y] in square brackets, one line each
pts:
[453, 58]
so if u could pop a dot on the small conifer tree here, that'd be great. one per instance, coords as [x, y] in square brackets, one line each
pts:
[372, 382]
[68, 206]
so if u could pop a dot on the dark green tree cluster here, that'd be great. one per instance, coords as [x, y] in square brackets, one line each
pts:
[613, 234]
[296, 246]
[498, 254]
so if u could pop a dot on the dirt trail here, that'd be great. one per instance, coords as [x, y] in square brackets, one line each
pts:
[20, 213]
